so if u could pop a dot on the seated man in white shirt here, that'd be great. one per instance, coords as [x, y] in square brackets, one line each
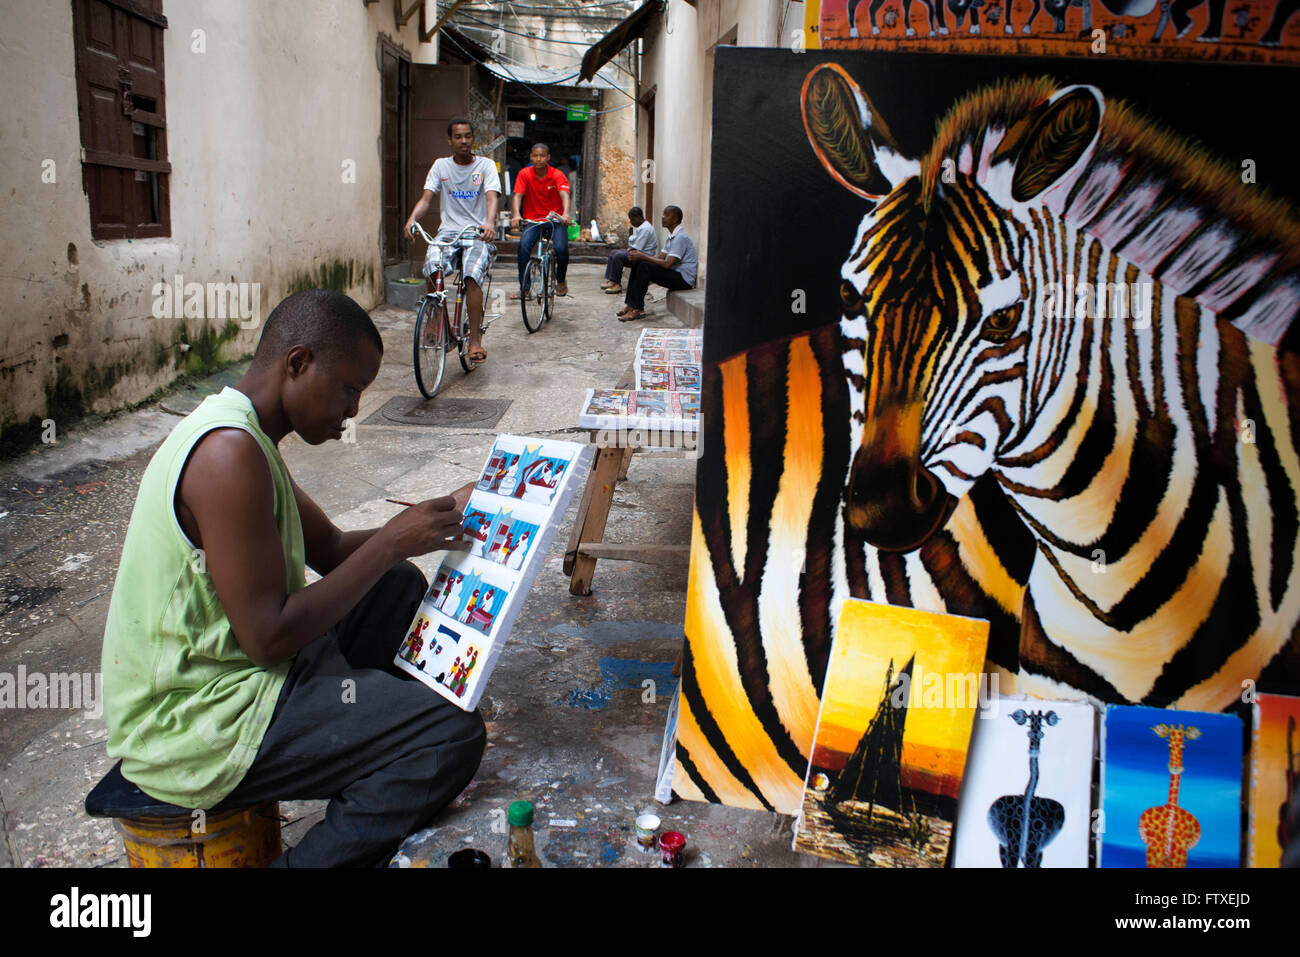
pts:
[675, 269]
[641, 237]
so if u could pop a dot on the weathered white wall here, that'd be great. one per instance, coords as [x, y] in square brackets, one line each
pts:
[259, 127]
[618, 166]
[678, 62]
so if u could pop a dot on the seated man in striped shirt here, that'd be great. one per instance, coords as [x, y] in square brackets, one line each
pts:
[676, 268]
[641, 237]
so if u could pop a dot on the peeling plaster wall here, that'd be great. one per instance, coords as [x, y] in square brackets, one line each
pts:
[259, 128]
[617, 161]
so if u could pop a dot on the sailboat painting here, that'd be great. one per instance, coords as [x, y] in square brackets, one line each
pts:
[1026, 799]
[896, 713]
[1171, 789]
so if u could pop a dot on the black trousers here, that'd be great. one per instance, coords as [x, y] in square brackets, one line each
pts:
[350, 726]
[643, 274]
[615, 264]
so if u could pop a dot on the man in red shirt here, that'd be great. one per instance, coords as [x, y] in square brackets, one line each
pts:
[542, 189]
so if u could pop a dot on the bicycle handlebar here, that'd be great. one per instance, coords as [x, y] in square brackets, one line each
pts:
[552, 218]
[466, 233]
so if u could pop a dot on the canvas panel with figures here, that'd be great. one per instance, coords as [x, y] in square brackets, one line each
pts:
[474, 597]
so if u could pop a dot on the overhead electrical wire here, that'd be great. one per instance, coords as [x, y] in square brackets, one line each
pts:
[530, 89]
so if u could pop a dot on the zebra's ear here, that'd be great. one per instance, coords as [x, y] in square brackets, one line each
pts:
[1052, 142]
[848, 135]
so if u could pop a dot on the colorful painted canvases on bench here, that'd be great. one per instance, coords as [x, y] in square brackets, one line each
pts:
[649, 409]
[891, 738]
[461, 626]
[668, 360]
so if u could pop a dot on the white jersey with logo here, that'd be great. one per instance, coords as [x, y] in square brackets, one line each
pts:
[463, 190]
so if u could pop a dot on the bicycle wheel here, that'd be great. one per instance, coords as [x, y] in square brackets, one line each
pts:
[462, 342]
[531, 297]
[430, 346]
[548, 300]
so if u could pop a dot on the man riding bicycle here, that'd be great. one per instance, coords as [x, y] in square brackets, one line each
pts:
[470, 191]
[542, 189]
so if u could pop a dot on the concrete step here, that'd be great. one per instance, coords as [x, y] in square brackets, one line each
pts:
[403, 295]
[508, 249]
[688, 305]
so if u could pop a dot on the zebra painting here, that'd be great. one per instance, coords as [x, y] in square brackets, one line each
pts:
[1055, 400]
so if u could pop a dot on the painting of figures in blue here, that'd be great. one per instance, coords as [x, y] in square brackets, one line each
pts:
[1171, 791]
[538, 476]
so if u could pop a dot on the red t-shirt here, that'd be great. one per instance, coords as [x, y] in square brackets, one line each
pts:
[541, 196]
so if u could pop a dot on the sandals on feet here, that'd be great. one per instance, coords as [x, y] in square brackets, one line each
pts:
[477, 355]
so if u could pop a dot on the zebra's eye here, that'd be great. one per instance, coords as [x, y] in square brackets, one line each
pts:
[999, 325]
[850, 298]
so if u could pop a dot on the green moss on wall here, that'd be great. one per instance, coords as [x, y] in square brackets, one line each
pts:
[334, 274]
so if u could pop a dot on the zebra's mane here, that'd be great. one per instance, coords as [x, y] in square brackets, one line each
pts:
[1187, 215]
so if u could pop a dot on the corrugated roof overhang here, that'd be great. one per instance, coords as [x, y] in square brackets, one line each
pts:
[609, 46]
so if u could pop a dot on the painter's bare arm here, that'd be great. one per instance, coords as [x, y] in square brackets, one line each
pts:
[226, 486]
[328, 546]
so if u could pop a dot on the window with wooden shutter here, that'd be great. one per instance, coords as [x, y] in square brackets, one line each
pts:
[123, 127]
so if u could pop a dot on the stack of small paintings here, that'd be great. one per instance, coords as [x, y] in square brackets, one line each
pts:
[461, 625]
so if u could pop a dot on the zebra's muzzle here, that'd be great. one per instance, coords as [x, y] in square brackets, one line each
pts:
[896, 504]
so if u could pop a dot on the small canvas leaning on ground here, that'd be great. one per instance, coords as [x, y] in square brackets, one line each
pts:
[1047, 821]
[461, 626]
[1171, 789]
[902, 689]
[1274, 774]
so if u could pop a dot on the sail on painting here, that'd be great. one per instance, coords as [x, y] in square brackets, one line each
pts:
[1171, 789]
[1026, 798]
[1274, 776]
[902, 689]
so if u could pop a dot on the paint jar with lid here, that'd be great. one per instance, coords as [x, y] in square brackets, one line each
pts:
[519, 845]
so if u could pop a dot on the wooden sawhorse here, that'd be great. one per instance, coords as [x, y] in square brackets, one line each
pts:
[586, 543]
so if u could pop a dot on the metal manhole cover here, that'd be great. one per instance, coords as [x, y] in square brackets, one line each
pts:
[440, 413]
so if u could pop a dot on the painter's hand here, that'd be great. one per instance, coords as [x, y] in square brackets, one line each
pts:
[462, 494]
[428, 526]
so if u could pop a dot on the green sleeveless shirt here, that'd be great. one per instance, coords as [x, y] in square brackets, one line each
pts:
[186, 707]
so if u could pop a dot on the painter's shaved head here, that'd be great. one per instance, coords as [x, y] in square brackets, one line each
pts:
[328, 323]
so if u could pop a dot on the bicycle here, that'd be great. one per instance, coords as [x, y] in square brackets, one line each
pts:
[435, 329]
[539, 278]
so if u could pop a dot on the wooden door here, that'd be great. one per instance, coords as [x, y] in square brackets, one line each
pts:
[395, 84]
[438, 93]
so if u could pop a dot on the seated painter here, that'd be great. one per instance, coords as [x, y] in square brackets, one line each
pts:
[226, 677]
